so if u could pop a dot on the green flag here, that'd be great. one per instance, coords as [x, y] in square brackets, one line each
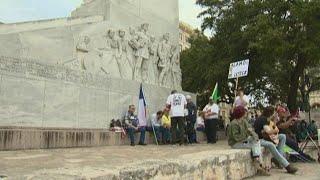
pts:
[215, 94]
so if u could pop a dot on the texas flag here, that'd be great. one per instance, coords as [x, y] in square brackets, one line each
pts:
[142, 109]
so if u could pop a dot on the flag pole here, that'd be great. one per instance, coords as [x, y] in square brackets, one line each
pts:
[235, 91]
[154, 133]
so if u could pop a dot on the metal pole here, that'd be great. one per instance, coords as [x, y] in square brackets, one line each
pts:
[154, 133]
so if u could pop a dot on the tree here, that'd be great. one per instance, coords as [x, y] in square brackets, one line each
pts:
[280, 37]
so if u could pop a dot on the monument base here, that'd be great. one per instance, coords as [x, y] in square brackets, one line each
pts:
[199, 161]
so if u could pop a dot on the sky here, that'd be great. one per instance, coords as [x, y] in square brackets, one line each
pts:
[12, 11]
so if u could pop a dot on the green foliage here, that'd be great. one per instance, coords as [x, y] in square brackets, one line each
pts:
[280, 37]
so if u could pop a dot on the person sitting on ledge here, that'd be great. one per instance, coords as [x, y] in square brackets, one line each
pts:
[242, 136]
[166, 125]
[286, 121]
[270, 138]
[156, 124]
[200, 122]
[132, 126]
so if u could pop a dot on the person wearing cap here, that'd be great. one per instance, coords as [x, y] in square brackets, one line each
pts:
[242, 136]
[165, 126]
[131, 122]
[177, 103]
[211, 114]
[191, 120]
[286, 121]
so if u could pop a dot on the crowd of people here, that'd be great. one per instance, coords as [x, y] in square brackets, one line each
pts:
[178, 122]
[272, 128]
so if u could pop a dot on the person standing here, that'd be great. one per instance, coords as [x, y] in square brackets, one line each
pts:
[191, 120]
[177, 103]
[241, 100]
[132, 125]
[211, 111]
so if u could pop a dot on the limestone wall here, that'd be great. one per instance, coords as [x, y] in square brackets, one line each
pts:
[38, 95]
[162, 15]
[127, 39]
[46, 24]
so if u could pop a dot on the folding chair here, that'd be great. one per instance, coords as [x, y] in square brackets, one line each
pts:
[294, 155]
[306, 142]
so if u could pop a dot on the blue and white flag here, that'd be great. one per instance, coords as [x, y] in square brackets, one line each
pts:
[142, 109]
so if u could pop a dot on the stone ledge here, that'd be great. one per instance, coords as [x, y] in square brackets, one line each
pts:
[227, 164]
[18, 138]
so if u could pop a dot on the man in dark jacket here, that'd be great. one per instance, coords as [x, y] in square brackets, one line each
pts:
[191, 120]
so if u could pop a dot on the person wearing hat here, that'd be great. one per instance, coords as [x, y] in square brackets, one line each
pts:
[191, 119]
[242, 136]
[286, 121]
[211, 114]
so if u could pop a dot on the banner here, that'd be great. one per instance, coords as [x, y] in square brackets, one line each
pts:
[238, 69]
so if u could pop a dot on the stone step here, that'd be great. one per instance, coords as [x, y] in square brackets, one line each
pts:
[190, 162]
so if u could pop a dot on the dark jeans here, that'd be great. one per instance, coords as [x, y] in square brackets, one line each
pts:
[177, 137]
[191, 132]
[165, 135]
[131, 132]
[157, 130]
[211, 130]
[202, 129]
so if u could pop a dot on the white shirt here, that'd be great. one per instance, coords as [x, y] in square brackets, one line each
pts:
[214, 108]
[155, 121]
[239, 102]
[200, 121]
[177, 103]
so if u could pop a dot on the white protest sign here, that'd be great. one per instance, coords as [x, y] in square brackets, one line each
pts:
[238, 69]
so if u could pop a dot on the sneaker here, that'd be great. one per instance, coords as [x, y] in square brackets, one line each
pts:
[142, 144]
[291, 169]
[132, 144]
[262, 172]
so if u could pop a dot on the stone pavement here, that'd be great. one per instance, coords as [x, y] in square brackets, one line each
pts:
[199, 161]
[307, 171]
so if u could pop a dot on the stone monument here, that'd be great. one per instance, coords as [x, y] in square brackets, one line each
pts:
[84, 70]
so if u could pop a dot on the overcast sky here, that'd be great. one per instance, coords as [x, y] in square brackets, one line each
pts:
[27, 10]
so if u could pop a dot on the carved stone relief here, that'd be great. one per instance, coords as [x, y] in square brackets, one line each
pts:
[134, 55]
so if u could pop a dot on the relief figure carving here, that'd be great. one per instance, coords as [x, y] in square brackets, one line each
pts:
[164, 51]
[82, 51]
[110, 55]
[154, 59]
[125, 58]
[175, 66]
[140, 44]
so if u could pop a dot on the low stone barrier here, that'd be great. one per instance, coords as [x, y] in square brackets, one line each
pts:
[211, 164]
[19, 138]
